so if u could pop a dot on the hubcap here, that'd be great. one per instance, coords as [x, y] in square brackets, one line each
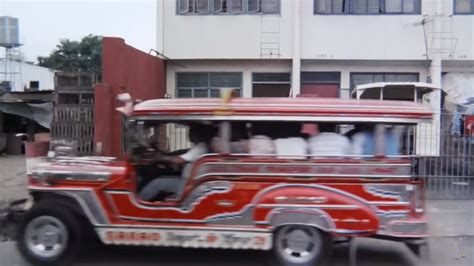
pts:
[46, 236]
[298, 244]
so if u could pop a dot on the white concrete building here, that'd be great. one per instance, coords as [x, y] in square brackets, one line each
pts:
[317, 47]
[25, 76]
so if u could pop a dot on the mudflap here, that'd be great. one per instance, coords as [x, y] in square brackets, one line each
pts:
[10, 217]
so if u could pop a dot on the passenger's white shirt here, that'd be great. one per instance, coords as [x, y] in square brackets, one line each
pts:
[192, 155]
[329, 144]
[194, 152]
[261, 144]
[291, 147]
[358, 142]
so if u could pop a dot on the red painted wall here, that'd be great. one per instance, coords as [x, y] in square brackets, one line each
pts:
[124, 69]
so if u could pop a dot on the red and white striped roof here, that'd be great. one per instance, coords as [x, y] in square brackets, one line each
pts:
[290, 109]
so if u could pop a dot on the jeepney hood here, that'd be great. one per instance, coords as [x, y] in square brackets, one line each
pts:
[78, 168]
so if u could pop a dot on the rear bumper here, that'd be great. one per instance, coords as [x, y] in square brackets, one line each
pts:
[405, 230]
[420, 241]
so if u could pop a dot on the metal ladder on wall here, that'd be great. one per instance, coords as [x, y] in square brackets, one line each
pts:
[269, 36]
[447, 42]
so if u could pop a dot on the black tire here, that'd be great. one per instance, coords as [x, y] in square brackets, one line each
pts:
[60, 215]
[321, 253]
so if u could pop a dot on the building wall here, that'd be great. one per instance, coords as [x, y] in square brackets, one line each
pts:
[24, 73]
[346, 37]
[124, 69]
[247, 67]
[221, 36]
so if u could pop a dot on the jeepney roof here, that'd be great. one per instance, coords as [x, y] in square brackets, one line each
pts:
[284, 109]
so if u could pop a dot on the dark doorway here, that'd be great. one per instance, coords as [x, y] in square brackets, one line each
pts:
[271, 84]
[320, 84]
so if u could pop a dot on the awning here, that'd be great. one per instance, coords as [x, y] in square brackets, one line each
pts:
[42, 113]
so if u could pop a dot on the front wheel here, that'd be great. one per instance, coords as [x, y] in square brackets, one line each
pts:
[48, 235]
[300, 245]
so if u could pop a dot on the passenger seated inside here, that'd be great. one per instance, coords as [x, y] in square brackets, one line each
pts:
[163, 186]
[239, 140]
[291, 144]
[364, 141]
[261, 142]
[329, 143]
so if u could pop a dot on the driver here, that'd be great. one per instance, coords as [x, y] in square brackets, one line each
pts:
[200, 136]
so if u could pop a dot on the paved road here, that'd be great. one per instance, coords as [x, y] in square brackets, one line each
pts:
[12, 178]
[444, 251]
[370, 253]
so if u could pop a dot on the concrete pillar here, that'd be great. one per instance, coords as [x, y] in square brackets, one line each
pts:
[160, 20]
[296, 65]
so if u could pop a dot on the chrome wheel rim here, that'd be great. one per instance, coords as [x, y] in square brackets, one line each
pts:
[298, 244]
[46, 236]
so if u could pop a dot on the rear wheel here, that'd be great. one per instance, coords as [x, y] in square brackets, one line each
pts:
[300, 245]
[49, 235]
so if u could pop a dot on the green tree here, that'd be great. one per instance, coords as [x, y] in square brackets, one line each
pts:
[84, 55]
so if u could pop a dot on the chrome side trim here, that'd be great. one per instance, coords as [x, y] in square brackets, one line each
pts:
[304, 175]
[310, 206]
[87, 199]
[54, 175]
[390, 203]
[309, 118]
[207, 228]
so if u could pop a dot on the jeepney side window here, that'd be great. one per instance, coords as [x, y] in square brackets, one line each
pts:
[232, 137]
[376, 139]
[387, 139]
[407, 141]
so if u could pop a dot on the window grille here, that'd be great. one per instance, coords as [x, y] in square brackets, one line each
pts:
[359, 7]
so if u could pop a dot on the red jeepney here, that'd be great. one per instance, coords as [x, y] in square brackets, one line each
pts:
[293, 206]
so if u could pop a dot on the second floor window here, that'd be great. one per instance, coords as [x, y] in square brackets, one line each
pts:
[193, 6]
[208, 7]
[206, 84]
[463, 6]
[371, 7]
[229, 6]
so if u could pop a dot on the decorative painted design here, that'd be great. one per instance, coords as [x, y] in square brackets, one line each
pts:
[396, 192]
[186, 238]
